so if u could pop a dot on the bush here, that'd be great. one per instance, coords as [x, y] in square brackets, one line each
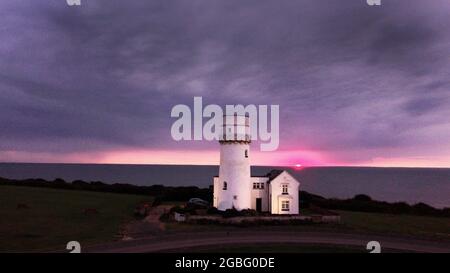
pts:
[248, 212]
[362, 197]
[164, 217]
[212, 210]
[231, 213]
[157, 201]
[182, 210]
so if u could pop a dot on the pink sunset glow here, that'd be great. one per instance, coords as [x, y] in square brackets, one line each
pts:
[211, 157]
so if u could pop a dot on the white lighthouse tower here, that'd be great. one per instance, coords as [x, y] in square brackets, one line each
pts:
[232, 188]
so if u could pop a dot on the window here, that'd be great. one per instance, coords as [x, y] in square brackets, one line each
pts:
[285, 205]
[246, 153]
[258, 186]
[284, 188]
[224, 185]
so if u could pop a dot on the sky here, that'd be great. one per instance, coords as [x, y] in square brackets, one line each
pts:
[357, 85]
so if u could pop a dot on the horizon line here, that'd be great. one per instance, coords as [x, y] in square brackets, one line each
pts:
[216, 165]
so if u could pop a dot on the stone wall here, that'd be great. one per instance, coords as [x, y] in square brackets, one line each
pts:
[236, 220]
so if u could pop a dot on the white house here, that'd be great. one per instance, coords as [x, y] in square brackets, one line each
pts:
[277, 192]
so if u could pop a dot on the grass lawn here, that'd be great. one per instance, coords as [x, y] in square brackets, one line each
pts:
[358, 222]
[410, 225]
[55, 217]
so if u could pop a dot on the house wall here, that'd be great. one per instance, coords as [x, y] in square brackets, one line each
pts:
[277, 195]
[260, 193]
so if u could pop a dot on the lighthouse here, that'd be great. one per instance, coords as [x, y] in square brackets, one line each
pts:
[233, 185]
[277, 192]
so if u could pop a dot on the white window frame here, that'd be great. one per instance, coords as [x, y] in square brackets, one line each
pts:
[285, 205]
[258, 185]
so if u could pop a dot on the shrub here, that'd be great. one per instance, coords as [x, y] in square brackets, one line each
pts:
[362, 197]
[212, 210]
[164, 217]
[231, 213]
[248, 212]
[157, 201]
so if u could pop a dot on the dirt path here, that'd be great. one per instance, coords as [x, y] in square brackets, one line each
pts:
[150, 226]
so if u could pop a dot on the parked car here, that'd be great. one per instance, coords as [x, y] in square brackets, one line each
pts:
[197, 202]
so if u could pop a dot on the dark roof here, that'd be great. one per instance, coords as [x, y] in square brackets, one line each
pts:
[273, 174]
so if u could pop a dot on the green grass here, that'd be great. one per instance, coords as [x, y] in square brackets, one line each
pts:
[55, 217]
[351, 222]
[410, 225]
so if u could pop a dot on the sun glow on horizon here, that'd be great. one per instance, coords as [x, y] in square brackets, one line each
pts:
[211, 157]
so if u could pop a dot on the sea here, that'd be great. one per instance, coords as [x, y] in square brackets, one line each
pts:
[411, 185]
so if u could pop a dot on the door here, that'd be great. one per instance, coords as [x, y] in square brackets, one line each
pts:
[258, 204]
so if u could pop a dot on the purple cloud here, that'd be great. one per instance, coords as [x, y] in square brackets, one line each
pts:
[353, 81]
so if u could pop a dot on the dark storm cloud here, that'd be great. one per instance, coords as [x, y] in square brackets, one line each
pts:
[105, 75]
[423, 105]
